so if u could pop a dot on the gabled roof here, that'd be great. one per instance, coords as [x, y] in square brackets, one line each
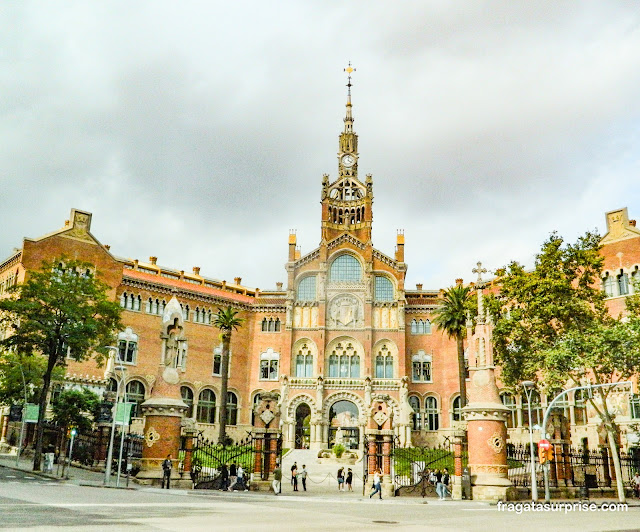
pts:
[619, 227]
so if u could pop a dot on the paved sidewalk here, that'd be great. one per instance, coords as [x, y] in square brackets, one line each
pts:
[73, 475]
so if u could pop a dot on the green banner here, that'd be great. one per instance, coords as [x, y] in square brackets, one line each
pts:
[123, 413]
[31, 413]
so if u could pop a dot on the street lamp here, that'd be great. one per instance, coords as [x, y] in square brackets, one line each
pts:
[112, 371]
[528, 387]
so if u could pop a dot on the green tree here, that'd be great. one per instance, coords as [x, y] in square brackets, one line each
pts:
[76, 408]
[19, 373]
[552, 326]
[451, 317]
[227, 321]
[60, 311]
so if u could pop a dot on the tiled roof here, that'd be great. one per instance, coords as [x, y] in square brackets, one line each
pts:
[177, 283]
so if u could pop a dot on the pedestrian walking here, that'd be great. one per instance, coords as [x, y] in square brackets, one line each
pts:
[167, 466]
[224, 477]
[241, 481]
[377, 484]
[341, 479]
[233, 476]
[277, 478]
[349, 480]
[636, 484]
[445, 483]
[303, 477]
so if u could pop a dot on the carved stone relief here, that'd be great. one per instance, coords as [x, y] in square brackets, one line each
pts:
[345, 312]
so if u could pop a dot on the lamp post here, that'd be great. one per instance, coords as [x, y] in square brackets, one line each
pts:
[124, 413]
[111, 370]
[528, 387]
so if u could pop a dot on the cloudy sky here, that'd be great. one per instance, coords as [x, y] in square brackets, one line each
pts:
[199, 131]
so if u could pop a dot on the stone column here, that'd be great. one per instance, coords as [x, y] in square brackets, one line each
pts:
[458, 444]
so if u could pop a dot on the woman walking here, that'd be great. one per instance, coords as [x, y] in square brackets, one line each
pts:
[377, 484]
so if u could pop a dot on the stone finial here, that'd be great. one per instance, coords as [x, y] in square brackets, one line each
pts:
[196, 270]
[279, 287]
[459, 282]
[418, 286]
[237, 280]
[153, 260]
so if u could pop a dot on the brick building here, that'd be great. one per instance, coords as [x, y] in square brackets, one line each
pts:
[346, 345]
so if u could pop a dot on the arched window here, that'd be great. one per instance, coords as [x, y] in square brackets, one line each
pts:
[185, 312]
[206, 412]
[269, 361]
[135, 394]
[307, 289]
[384, 363]
[187, 399]
[623, 284]
[232, 408]
[421, 367]
[345, 268]
[127, 346]
[420, 326]
[431, 413]
[271, 325]
[112, 386]
[608, 285]
[509, 401]
[304, 362]
[416, 417]
[344, 362]
[456, 409]
[383, 289]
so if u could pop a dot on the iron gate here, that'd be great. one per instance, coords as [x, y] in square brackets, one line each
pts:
[256, 455]
[412, 467]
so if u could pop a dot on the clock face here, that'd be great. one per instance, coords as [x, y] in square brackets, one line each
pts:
[348, 160]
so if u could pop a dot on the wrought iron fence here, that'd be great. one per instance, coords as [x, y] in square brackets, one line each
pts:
[413, 466]
[570, 467]
[209, 460]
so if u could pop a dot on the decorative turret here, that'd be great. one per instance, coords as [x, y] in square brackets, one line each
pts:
[346, 203]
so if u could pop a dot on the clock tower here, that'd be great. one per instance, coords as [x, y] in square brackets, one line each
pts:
[346, 202]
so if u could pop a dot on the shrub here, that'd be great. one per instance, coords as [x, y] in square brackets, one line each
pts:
[338, 450]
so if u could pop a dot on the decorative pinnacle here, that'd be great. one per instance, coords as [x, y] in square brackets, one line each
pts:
[349, 70]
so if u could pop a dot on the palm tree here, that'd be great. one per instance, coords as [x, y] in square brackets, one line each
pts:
[225, 320]
[451, 317]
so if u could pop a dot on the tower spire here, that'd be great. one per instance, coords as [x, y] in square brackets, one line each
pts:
[348, 119]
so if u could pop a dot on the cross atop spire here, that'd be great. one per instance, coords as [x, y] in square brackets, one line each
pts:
[349, 70]
[479, 270]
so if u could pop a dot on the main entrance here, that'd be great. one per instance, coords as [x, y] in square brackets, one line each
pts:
[343, 425]
[303, 417]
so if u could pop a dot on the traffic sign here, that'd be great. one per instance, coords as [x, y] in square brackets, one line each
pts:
[544, 444]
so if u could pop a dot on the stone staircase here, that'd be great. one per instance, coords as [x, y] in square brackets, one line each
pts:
[321, 477]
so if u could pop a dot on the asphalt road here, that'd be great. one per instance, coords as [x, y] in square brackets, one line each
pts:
[28, 502]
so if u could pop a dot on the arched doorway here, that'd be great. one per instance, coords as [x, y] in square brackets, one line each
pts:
[303, 417]
[343, 424]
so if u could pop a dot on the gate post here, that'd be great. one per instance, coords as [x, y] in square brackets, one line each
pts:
[265, 440]
[456, 490]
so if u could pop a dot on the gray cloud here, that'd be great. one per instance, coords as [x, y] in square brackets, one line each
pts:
[200, 132]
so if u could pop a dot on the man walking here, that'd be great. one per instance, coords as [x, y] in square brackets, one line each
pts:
[233, 476]
[241, 482]
[167, 466]
[277, 478]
